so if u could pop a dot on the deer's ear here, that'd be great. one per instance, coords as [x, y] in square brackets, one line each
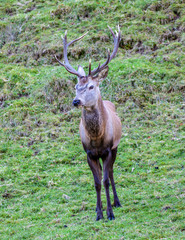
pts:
[103, 74]
[81, 71]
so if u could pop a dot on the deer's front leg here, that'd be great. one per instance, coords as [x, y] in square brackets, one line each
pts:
[107, 160]
[95, 166]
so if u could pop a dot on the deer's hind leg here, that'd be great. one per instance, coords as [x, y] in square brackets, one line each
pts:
[116, 199]
[107, 160]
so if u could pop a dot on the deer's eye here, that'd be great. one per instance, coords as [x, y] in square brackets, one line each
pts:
[91, 87]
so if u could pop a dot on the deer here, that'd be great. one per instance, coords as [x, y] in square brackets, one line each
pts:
[100, 127]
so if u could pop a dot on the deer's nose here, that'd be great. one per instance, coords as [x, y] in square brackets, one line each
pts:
[76, 102]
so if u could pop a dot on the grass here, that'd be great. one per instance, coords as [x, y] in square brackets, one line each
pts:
[46, 186]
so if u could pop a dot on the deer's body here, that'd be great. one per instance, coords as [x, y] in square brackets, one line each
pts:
[100, 132]
[100, 127]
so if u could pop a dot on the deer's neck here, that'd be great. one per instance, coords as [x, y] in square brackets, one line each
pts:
[94, 120]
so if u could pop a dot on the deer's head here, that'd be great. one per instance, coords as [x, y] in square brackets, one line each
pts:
[87, 88]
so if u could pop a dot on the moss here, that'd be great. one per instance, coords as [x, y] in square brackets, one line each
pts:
[61, 11]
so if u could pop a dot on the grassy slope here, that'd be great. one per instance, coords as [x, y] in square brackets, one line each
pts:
[46, 186]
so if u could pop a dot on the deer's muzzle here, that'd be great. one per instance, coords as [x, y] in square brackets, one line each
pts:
[76, 102]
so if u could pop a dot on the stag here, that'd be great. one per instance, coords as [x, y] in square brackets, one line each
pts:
[100, 127]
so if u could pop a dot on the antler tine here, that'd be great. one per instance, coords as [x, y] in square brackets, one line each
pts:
[96, 70]
[116, 39]
[77, 39]
[65, 48]
[89, 67]
[59, 61]
[69, 70]
[66, 64]
[101, 67]
[111, 31]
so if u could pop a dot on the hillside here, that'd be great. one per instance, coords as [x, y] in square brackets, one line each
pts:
[46, 186]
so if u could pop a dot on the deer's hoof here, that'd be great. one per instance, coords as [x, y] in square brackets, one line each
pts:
[99, 216]
[111, 216]
[117, 204]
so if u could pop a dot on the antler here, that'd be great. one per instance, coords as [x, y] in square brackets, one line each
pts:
[70, 69]
[66, 64]
[117, 39]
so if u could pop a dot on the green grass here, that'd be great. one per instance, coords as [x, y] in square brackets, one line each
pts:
[46, 186]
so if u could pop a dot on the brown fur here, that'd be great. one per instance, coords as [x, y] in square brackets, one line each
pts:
[101, 122]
